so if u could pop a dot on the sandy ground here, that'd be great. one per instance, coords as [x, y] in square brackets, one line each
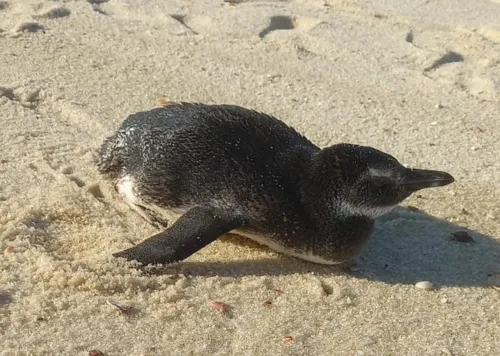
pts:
[339, 71]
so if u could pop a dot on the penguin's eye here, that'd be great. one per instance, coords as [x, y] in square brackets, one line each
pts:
[381, 183]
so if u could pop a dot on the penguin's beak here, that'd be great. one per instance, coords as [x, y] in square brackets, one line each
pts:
[416, 179]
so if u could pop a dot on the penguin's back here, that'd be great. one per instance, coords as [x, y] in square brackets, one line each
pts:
[182, 154]
[216, 125]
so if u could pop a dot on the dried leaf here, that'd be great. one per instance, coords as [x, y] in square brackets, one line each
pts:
[8, 250]
[219, 306]
[121, 307]
[96, 353]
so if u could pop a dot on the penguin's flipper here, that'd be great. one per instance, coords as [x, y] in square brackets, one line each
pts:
[194, 230]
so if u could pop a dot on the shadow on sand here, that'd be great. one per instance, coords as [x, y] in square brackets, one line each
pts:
[407, 246]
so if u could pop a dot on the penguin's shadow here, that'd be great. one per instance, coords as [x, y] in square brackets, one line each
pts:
[407, 246]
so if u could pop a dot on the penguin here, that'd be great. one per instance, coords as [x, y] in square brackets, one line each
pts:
[225, 168]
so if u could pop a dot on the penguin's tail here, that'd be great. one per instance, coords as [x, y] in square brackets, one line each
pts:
[110, 158]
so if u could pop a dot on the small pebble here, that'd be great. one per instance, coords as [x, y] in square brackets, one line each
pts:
[267, 303]
[461, 236]
[424, 285]
[443, 301]
[287, 338]
[439, 106]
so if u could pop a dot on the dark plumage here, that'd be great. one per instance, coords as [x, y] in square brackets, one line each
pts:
[225, 167]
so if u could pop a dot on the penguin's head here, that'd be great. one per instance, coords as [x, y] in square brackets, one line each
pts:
[370, 182]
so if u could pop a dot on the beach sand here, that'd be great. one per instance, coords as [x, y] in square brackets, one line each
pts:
[365, 72]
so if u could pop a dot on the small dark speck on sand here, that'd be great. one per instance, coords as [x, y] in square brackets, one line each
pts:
[5, 298]
[409, 36]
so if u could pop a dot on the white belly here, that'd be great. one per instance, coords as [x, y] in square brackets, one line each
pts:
[307, 256]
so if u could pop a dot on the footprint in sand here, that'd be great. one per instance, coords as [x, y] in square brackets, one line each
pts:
[448, 57]
[29, 26]
[182, 20]
[52, 12]
[96, 6]
[27, 96]
[175, 23]
[67, 174]
[277, 23]
[475, 66]
[25, 16]
[291, 31]
[93, 188]
[56, 155]
[79, 182]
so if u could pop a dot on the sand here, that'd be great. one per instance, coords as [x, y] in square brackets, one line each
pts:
[366, 72]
